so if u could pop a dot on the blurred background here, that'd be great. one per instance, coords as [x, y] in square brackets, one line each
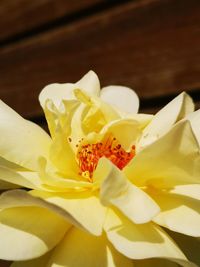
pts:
[152, 46]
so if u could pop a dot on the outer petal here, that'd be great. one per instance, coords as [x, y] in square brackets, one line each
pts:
[165, 118]
[20, 198]
[129, 199]
[24, 232]
[190, 190]
[178, 213]
[173, 159]
[141, 241]
[23, 179]
[194, 119]
[11, 165]
[121, 97]
[58, 92]
[25, 235]
[82, 249]
[85, 207]
[22, 141]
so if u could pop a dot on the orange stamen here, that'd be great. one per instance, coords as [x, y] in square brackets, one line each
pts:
[89, 155]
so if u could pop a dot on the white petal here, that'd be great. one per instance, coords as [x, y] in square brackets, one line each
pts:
[190, 190]
[171, 160]
[89, 83]
[141, 241]
[84, 207]
[20, 198]
[129, 199]
[174, 111]
[194, 119]
[80, 249]
[58, 92]
[23, 179]
[27, 228]
[178, 213]
[120, 97]
[22, 141]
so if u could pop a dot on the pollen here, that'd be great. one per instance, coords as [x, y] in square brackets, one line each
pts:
[89, 155]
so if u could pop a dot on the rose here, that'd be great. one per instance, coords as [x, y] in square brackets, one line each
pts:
[86, 205]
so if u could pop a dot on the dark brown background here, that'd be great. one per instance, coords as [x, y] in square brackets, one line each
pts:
[152, 46]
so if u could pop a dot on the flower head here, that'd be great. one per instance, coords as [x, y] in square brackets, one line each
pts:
[105, 182]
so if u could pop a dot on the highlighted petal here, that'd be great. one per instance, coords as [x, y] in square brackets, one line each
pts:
[172, 160]
[19, 225]
[89, 83]
[141, 241]
[178, 213]
[190, 190]
[58, 92]
[22, 141]
[85, 207]
[176, 110]
[129, 199]
[25, 235]
[194, 119]
[82, 249]
[23, 179]
[20, 198]
[121, 97]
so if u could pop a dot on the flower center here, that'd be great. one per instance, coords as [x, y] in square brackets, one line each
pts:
[89, 155]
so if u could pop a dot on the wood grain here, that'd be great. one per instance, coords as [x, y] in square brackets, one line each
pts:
[18, 16]
[152, 46]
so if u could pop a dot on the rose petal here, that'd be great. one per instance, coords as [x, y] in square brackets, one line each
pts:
[194, 119]
[178, 213]
[19, 226]
[58, 92]
[84, 207]
[175, 110]
[129, 199]
[120, 97]
[82, 249]
[22, 141]
[141, 241]
[173, 159]
[16, 179]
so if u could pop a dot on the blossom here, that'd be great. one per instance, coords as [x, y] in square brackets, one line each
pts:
[98, 183]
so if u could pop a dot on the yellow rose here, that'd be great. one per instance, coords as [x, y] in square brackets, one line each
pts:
[99, 183]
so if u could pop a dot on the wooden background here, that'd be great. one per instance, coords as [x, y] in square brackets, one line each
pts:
[152, 46]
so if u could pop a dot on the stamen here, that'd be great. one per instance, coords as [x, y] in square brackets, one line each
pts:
[89, 155]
